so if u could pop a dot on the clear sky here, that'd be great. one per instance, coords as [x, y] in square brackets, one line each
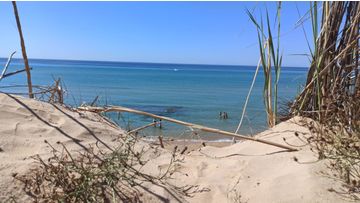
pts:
[167, 32]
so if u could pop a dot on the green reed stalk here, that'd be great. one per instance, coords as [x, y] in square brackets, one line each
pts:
[315, 60]
[268, 57]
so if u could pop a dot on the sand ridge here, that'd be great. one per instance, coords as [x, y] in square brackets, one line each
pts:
[242, 172]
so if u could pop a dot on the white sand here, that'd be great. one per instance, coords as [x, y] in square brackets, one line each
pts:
[254, 171]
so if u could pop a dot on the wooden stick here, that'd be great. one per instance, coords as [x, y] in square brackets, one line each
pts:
[161, 142]
[200, 127]
[13, 73]
[6, 66]
[22, 42]
[141, 128]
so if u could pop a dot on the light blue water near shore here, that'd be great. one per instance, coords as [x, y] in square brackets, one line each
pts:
[193, 93]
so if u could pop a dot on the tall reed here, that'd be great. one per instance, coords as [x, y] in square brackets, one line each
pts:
[332, 91]
[271, 59]
[334, 69]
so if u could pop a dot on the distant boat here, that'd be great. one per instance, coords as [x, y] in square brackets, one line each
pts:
[175, 69]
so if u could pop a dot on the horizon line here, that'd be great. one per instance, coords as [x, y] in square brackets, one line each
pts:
[161, 63]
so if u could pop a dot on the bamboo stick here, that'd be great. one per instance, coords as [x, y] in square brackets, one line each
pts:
[141, 128]
[200, 127]
[26, 62]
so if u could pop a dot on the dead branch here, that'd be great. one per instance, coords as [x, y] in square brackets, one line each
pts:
[6, 66]
[13, 73]
[191, 125]
[23, 49]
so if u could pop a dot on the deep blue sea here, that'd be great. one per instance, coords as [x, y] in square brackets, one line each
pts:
[193, 93]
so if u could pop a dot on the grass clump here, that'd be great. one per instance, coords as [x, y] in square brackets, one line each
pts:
[91, 176]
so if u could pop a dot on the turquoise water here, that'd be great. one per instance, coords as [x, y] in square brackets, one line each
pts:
[193, 93]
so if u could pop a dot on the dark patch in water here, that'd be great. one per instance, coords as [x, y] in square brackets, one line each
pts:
[171, 109]
[159, 110]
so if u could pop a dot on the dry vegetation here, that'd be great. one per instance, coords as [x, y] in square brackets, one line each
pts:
[332, 91]
[94, 175]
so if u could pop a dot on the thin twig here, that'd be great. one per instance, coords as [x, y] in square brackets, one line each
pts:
[248, 96]
[6, 66]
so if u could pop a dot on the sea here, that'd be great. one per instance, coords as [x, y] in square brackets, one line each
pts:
[187, 92]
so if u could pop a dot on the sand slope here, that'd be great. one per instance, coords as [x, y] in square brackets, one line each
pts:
[254, 172]
[25, 124]
[243, 172]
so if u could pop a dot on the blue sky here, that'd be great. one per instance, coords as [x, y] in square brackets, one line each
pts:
[167, 32]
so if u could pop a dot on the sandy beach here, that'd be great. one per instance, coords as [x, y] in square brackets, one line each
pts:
[180, 102]
[222, 172]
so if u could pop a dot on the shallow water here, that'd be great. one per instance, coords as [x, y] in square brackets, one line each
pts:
[193, 93]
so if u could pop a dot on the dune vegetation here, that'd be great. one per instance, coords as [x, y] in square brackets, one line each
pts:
[329, 102]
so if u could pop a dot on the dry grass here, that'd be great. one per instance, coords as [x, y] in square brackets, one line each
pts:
[341, 146]
[332, 91]
[93, 175]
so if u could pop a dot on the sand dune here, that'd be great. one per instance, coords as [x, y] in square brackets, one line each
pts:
[254, 172]
[242, 172]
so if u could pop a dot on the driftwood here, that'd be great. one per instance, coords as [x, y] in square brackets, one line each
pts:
[191, 125]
